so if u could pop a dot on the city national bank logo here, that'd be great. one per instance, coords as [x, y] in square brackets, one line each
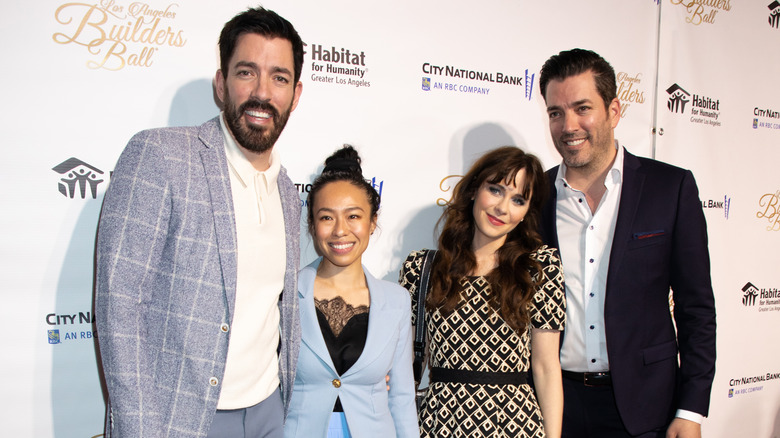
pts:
[472, 81]
[702, 11]
[340, 66]
[765, 299]
[751, 383]
[704, 110]
[71, 332]
[724, 205]
[769, 209]
[629, 91]
[774, 14]
[117, 35]
[78, 176]
[765, 118]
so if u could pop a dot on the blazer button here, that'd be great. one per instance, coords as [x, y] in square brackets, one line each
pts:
[224, 327]
[213, 381]
[336, 383]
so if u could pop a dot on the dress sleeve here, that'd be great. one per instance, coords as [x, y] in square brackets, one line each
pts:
[409, 277]
[548, 310]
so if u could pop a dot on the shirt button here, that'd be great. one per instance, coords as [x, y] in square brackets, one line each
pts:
[213, 381]
[591, 227]
[591, 260]
[224, 327]
[336, 383]
[592, 327]
[592, 294]
[593, 361]
[580, 200]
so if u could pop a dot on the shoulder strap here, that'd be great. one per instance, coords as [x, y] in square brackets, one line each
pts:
[419, 334]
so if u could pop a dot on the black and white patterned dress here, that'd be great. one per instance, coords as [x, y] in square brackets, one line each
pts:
[474, 337]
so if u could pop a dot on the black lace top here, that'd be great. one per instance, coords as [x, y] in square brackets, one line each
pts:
[344, 329]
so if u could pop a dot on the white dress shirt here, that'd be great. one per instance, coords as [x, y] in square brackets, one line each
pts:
[585, 241]
[252, 368]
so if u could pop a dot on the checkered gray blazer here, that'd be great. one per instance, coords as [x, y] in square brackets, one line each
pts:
[166, 283]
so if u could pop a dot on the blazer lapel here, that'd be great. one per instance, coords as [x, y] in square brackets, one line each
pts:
[311, 334]
[548, 227]
[631, 192]
[380, 318]
[218, 180]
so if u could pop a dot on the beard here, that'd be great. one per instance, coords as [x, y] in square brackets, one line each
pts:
[254, 138]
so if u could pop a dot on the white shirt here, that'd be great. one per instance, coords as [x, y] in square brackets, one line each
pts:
[252, 367]
[585, 241]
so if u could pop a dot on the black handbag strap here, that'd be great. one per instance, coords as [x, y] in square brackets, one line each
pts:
[419, 334]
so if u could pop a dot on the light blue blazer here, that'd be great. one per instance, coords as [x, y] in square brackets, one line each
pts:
[370, 409]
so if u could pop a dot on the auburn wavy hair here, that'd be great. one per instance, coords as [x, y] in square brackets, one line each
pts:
[514, 280]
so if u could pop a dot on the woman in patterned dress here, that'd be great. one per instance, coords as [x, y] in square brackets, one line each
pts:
[495, 306]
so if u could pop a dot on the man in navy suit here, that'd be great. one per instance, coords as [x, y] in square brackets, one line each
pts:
[636, 363]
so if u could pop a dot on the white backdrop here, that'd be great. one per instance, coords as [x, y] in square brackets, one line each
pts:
[82, 78]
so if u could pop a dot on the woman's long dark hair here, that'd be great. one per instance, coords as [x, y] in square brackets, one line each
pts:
[514, 280]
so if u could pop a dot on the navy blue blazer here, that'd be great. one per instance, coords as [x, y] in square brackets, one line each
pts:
[660, 242]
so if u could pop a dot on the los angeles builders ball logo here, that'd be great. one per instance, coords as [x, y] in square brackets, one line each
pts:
[118, 35]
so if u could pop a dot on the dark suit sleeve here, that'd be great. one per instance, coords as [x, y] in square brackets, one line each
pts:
[694, 304]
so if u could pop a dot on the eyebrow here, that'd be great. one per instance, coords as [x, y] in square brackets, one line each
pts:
[577, 103]
[253, 65]
[348, 209]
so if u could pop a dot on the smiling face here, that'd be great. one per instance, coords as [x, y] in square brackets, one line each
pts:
[581, 125]
[498, 208]
[258, 90]
[342, 224]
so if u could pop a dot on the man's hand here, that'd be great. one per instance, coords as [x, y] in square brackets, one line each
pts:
[681, 428]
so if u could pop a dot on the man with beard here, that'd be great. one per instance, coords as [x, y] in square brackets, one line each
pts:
[628, 229]
[197, 256]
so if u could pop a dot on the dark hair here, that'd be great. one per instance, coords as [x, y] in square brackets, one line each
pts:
[515, 279]
[343, 165]
[262, 22]
[577, 61]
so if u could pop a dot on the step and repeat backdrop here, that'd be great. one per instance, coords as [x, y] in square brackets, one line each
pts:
[421, 89]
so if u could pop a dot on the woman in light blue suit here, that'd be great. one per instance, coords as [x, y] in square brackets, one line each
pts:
[356, 329]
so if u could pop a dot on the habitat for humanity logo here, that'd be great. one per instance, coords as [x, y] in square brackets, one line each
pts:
[760, 118]
[724, 205]
[116, 35]
[472, 81]
[70, 333]
[769, 209]
[774, 14]
[340, 66]
[703, 109]
[702, 11]
[77, 177]
[768, 300]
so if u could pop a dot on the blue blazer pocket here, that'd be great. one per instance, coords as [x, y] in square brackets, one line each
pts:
[647, 238]
[660, 352]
